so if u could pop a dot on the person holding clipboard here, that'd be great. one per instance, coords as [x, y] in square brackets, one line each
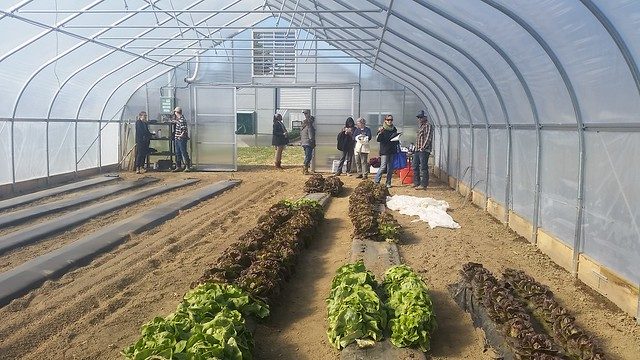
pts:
[388, 148]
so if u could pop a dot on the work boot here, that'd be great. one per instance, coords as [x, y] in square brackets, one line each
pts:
[305, 170]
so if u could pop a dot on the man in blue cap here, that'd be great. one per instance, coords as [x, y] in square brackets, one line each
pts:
[424, 143]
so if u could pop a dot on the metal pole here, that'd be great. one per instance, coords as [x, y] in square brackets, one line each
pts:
[156, 38]
[579, 121]
[199, 27]
[384, 29]
[185, 11]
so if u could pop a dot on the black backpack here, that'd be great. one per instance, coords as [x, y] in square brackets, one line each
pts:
[342, 140]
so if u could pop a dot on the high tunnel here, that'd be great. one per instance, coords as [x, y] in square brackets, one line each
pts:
[536, 103]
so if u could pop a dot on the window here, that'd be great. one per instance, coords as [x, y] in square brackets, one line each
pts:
[274, 53]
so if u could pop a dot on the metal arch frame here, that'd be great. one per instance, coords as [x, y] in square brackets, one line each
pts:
[105, 11]
[579, 121]
[152, 66]
[527, 90]
[481, 104]
[204, 27]
[401, 70]
[617, 38]
[140, 72]
[358, 56]
[4, 14]
[127, 80]
[492, 84]
[407, 74]
[462, 75]
[74, 35]
[103, 57]
[417, 90]
[437, 98]
[13, 161]
[626, 54]
[475, 62]
[384, 29]
[455, 113]
[36, 37]
[158, 38]
[45, 65]
[420, 91]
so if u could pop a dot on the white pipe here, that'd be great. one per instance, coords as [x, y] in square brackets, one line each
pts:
[190, 80]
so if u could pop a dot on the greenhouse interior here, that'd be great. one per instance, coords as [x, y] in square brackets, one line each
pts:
[534, 110]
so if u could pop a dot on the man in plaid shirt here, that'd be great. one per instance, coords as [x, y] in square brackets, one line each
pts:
[181, 138]
[424, 141]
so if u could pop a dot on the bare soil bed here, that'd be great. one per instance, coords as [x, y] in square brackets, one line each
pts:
[95, 310]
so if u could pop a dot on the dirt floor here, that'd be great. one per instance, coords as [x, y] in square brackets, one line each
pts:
[95, 310]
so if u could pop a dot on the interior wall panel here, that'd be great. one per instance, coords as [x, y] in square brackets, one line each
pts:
[611, 215]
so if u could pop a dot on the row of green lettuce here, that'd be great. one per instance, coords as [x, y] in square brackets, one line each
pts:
[361, 310]
[210, 322]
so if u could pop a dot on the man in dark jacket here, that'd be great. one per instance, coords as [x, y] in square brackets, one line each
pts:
[279, 139]
[388, 149]
[143, 139]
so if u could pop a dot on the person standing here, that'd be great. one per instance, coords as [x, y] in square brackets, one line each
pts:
[181, 137]
[280, 139]
[308, 139]
[362, 136]
[143, 139]
[424, 140]
[388, 149]
[346, 145]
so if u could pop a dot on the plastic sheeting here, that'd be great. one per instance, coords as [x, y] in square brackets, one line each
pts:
[559, 184]
[426, 209]
[523, 181]
[498, 165]
[611, 213]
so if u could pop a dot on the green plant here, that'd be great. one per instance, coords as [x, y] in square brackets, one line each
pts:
[355, 312]
[208, 324]
[411, 315]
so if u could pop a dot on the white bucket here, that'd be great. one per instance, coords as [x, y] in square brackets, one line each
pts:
[334, 166]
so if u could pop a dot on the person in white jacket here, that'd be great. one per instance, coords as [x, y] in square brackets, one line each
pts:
[362, 136]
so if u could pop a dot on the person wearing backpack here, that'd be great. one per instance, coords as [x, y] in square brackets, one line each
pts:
[346, 145]
[279, 139]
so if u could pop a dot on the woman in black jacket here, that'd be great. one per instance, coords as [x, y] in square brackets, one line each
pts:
[388, 149]
[346, 144]
[280, 138]
[143, 139]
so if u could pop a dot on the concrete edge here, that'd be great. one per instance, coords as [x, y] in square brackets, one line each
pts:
[620, 291]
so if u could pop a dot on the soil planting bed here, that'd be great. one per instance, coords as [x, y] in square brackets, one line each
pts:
[95, 311]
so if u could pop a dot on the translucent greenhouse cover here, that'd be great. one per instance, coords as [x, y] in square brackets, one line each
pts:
[537, 103]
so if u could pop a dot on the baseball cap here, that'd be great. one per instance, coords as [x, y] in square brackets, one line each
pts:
[420, 114]
[306, 111]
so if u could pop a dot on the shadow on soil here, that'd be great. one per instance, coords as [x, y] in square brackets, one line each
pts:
[299, 299]
[452, 335]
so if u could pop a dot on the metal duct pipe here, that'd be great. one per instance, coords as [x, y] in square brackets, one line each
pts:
[190, 80]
